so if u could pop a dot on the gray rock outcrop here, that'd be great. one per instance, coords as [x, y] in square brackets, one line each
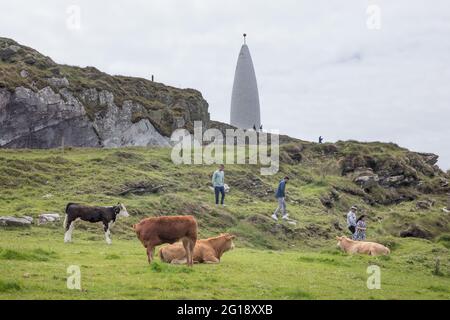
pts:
[45, 218]
[15, 222]
[43, 119]
[48, 119]
[46, 105]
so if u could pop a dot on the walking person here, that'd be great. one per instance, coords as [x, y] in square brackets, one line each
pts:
[361, 227]
[351, 220]
[281, 197]
[218, 181]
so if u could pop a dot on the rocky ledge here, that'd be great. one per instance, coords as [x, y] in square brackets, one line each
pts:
[46, 105]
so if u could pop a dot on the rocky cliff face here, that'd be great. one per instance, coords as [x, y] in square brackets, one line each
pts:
[46, 105]
[381, 173]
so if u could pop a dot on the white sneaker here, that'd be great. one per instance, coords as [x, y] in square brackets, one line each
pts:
[286, 217]
[274, 217]
[224, 205]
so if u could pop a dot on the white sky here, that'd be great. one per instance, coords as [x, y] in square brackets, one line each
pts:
[320, 70]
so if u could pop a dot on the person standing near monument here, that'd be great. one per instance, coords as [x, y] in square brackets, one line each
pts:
[218, 181]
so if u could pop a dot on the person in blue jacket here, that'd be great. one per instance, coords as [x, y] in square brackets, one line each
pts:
[281, 197]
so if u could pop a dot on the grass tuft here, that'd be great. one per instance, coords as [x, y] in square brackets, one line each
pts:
[33, 255]
[6, 286]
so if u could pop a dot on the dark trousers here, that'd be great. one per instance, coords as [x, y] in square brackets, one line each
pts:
[217, 191]
[352, 229]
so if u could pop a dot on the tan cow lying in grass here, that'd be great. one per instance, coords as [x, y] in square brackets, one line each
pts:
[205, 251]
[370, 248]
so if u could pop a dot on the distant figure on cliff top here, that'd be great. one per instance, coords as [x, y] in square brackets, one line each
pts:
[320, 139]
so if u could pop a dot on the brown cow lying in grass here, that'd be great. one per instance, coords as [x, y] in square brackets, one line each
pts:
[156, 231]
[205, 251]
[370, 248]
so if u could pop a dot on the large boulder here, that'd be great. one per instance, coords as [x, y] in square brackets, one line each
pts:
[46, 218]
[58, 82]
[7, 53]
[330, 199]
[430, 158]
[415, 231]
[424, 204]
[397, 181]
[15, 222]
[365, 178]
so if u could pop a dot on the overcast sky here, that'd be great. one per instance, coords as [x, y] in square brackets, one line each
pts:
[320, 69]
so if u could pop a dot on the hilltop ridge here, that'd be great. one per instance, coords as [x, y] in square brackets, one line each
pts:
[43, 101]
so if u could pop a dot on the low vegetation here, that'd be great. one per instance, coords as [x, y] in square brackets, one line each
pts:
[272, 260]
[121, 271]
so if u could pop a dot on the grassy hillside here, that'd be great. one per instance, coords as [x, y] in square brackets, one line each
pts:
[286, 261]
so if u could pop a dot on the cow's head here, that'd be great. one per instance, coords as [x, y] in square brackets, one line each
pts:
[229, 244]
[341, 240]
[120, 210]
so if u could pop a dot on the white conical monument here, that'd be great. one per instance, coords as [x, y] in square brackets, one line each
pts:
[245, 110]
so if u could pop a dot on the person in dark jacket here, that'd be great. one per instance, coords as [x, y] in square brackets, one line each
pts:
[281, 197]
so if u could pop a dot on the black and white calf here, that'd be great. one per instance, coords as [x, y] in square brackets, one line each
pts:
[106, 215]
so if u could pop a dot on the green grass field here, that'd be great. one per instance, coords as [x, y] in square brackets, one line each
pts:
[271, 260]
[34, 262]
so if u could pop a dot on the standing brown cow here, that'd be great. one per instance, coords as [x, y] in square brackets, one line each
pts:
[156, 231]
